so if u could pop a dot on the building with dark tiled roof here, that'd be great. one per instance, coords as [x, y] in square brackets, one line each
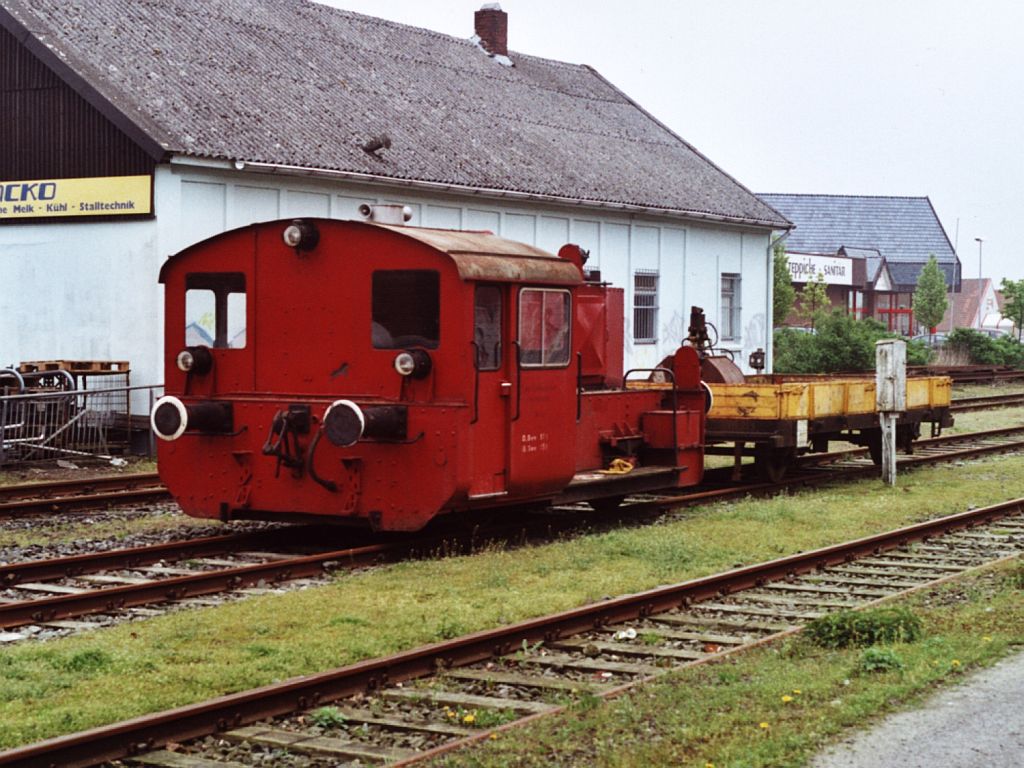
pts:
[183, 118]
[900, 233]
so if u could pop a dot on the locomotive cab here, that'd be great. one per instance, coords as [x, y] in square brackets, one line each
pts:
[358, 372]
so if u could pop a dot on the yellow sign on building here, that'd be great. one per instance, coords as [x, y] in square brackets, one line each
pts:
[104, 196]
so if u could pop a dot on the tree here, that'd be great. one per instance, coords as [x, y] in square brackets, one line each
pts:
[1013, 303]
[930, 300]
[783, 292]
[814, 298]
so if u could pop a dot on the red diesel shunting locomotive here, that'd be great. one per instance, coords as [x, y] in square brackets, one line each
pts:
[357, 372]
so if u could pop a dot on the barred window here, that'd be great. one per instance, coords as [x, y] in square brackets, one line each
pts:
[730, 328]
[645, 307]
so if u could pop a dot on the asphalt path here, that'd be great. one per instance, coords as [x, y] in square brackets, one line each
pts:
[978, 723]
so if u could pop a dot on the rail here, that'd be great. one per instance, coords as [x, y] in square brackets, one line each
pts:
[76, 423]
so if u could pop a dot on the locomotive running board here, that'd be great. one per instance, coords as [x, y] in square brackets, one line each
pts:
[591, 485]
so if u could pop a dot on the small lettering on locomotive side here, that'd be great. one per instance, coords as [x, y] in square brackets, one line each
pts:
[534, 443]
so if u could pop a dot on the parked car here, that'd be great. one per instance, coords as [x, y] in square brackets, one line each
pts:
[994, 333]
[795, 329]
[932, 339]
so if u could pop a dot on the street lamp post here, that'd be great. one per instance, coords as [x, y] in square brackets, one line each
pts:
[979, 240]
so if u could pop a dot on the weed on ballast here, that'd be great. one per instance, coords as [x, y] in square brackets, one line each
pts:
[879, 660]
[847, 629]
[327, 717]
[480, 718]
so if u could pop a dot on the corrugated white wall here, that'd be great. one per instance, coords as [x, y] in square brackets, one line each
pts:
[89, 290]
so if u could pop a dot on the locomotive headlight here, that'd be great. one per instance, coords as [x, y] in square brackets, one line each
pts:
[301, 235]
[194, 360]
[415, 363]
[185, 361]
[405, 364]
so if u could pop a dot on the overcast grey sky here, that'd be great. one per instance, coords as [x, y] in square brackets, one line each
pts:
[872, 97]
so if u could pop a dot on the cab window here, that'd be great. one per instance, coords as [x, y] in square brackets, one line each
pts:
[215, 310]
[544, 325]
[487, 327]
[406, 309]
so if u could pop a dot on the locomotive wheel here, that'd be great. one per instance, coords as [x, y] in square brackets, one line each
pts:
[607, 504]
[771, 463]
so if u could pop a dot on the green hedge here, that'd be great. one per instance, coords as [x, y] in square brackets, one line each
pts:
[984, 350]
[839, 343]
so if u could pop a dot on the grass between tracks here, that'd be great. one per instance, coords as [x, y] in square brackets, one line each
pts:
[100, 525]
[50, 471]
[778, 705]
[70, 684]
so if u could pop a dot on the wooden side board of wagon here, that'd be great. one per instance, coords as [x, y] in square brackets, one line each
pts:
[777, 417]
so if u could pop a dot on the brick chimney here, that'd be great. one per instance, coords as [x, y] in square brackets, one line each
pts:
[492, 28]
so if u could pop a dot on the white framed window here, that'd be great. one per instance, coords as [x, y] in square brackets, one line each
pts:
[545, 325]
[645, 306]
[215, 309]
[730, 328]
[855, 304]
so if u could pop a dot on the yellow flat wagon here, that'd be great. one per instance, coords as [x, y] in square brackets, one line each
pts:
[781, 416]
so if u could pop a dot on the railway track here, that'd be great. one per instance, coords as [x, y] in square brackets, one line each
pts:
[434, 699]
[83, 592]
[969, 374]
[68, 495]
[986, 402]
[65, 495]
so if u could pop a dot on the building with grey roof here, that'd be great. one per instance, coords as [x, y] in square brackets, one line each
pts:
[899, 233]
[214, 115]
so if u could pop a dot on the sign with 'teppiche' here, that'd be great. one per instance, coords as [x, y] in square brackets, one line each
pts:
[102, 196]
[834, 270]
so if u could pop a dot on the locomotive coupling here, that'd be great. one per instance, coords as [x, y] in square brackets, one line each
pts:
[171, 418]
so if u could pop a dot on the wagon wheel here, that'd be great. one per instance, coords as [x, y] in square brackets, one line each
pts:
[607, 504]
[874, 444]
[771, 463]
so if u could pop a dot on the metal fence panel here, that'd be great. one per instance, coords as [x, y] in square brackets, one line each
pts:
[94, 423]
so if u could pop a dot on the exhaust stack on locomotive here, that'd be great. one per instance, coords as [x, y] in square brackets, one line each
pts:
[380, 374]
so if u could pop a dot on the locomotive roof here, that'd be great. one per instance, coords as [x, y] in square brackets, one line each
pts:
[476, 255]
[298, 85]
[485, 256]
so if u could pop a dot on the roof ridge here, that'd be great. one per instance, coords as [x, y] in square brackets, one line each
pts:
[435, 33]
[833, 194]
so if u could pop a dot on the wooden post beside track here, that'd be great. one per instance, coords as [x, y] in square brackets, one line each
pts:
[890, 398]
